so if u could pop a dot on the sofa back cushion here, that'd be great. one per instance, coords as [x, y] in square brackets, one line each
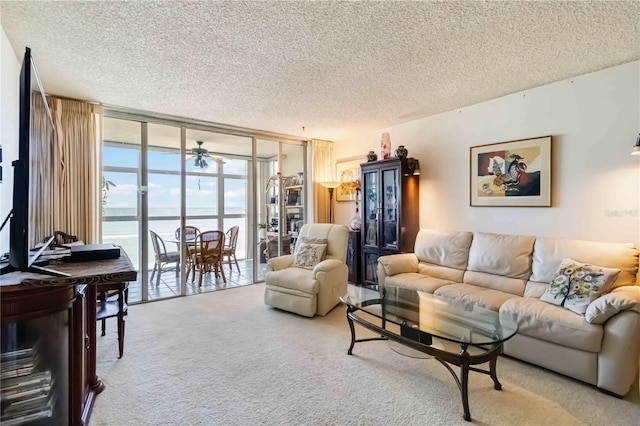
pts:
[444, 248]
[443, 254]
[549, 252]
[500, 262]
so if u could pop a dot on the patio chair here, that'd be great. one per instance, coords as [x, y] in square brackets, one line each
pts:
[163, 257]
[208, 255]
[229, 249]
[190, 233]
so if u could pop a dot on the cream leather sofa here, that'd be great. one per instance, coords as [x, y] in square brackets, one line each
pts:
[509, 273]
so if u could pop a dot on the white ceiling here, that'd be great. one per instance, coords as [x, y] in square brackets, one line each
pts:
[336, 68]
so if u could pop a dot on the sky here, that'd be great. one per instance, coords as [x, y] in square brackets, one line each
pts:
[164, 189]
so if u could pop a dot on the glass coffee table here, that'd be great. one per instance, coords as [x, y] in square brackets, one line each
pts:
[468, 334]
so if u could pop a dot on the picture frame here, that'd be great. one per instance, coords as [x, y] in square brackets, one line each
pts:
[348, 171]
[511, 174]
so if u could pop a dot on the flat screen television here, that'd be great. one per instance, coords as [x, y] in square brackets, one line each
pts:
[21, 257]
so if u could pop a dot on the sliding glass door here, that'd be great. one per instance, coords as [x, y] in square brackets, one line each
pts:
[218, 197]
[121, 180]
[160, 176]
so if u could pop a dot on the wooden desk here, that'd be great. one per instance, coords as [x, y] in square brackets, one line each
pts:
[25, 296]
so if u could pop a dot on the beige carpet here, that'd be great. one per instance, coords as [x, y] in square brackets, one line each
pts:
[226, 358]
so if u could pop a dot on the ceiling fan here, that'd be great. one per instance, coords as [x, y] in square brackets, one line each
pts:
[201, 155]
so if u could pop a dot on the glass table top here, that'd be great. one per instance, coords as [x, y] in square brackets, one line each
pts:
[455, 321]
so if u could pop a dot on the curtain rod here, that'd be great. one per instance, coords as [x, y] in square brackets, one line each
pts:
[67, 98]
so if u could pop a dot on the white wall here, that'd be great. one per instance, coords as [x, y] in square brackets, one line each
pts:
[594, 120]
[9, 113]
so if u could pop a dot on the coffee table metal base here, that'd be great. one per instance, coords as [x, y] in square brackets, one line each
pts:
[463, 359]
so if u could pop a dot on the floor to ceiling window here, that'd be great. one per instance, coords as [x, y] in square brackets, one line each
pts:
[160, 175]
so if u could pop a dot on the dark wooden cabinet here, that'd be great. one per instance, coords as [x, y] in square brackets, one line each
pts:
[390, 212]
[38, 343]
[48, 340]
[354, 254]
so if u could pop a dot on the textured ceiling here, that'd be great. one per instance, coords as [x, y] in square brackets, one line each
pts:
[336, 68]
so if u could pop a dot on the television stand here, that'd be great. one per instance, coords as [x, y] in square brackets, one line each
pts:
[35, 269]
[26, 297]
[32, 267]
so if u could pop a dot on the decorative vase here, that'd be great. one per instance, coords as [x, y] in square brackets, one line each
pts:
[300, 178]
[371, 156]
[356, 220]
[385, 146]
[401, 152]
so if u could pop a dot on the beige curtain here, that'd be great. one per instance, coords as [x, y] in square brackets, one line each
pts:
[77, 171]
[322, 163]
[41, 184]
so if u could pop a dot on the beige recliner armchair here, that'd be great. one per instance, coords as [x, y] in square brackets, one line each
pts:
[310, 289]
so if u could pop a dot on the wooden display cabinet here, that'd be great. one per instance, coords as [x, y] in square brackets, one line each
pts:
[390, 212]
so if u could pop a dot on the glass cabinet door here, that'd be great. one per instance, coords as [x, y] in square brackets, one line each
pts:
[371, 209]
[390, 193]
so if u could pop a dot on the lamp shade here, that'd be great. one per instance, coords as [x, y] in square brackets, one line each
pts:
[331, 185]
[636, 147]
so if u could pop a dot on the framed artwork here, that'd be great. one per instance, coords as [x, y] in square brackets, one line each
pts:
[511, 174]
[349, 174]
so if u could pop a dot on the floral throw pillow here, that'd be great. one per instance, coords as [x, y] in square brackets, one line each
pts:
[308, 255]
[576, 285]
[310, 240]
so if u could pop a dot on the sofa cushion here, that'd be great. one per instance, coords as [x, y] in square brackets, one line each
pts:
[575, 285]
[466, 293]
[442, 272]
[495, 282]
[443, 248]
[549, 252]
[416, 281]
[506, 255]
[551, 323]
[294, 279]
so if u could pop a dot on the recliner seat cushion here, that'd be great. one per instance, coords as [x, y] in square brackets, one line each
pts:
[294, 279]
[551, 323]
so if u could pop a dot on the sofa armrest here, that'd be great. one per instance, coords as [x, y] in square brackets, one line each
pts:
[618, 357]
[395, 264]
[280, 262]
[626, 298]
[326, 266]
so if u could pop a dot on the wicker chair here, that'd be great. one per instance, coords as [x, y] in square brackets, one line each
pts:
[163, 257]
[229, 249]
[208, 255]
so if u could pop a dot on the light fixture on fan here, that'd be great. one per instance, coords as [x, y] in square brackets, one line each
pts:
[200, 162]
[201, 155]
